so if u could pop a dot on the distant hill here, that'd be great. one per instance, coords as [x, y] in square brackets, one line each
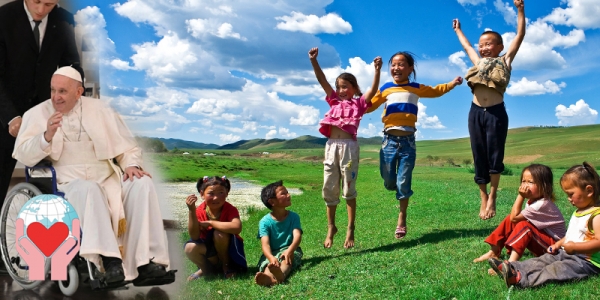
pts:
[302, 142]
[181, 144]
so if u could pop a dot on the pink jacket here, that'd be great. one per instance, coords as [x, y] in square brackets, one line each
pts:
[344, 114]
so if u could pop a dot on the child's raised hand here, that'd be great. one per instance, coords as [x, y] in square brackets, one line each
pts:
[313, 53]
[458, 80]
[377, 62]
[190, 201]
[519, 4]
[456, 22]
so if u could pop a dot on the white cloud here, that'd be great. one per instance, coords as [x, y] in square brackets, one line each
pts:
[507, 11]
[456, 59]
[537, 50]
[271, 134]
[120, 65]
[425, 121]
[170, 127]
[286, 133]
[579, 13]
[212, 107]
[307, 115]
[330, 23]
[579, 113]
[140, 11]
[222, 10]
[524, 87]
[91, 26]
[199, 27]
[371, 130]
[161, 60]
[229, 138]
[470, 2]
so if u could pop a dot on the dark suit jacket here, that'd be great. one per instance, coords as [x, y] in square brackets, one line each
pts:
[25, 72]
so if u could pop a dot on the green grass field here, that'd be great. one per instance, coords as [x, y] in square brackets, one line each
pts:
[434, 261]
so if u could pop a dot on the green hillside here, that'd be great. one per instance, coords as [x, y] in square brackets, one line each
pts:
[556, 146]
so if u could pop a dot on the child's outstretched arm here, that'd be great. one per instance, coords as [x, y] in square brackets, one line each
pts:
[266, 249]
[288, 254]
[465, 42]
[377, 63]
[193, 224]
[516, 43]
[588, 247]
[312, 55]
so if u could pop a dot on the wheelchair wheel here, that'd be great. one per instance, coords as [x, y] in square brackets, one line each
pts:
[16, 267]
[69, 287]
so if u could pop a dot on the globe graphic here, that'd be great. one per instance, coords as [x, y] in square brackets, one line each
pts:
[48, 209]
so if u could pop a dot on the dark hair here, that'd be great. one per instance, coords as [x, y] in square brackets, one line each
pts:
[542, 177]
[411, 62]
[206, 181]
[352, 80]
[495, 34]
[270, 192]
[582, 176]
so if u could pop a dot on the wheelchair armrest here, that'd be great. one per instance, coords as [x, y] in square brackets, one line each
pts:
[42, 164]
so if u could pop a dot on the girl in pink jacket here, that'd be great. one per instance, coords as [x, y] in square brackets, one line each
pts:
[340, 125]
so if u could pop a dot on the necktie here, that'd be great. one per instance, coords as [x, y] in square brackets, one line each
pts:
[36, 33]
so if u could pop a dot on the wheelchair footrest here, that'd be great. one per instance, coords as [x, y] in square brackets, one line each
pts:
[100, 284]
[166, 279]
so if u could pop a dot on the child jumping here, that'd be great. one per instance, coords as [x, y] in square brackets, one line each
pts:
[341, 151]
[398, 149]
[280, 234]
[577, 255]
[488, 121]
[536, 227]
[214, 229]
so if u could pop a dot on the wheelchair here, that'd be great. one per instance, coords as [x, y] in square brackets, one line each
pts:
[79, 270]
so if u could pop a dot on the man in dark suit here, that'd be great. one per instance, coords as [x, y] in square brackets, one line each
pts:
[36, 37]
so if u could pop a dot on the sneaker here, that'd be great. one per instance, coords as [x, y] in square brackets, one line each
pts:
[496, 265]
[509, 274]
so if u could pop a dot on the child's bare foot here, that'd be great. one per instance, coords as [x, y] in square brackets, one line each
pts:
[349, 243]
[276, 271]
[490, 210]
[331, 231]
[263, 279]
[483, 207]
[486, 256]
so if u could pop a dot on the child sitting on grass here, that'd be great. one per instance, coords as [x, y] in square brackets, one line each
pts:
[577, 255]
[214, 229]
[536, 227]
[280, 235]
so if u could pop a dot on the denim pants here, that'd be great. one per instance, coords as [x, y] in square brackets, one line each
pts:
[396, 163]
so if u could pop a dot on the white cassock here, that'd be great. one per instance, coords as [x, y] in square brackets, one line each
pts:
[118, 219]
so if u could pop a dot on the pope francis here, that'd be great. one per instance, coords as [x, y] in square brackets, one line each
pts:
[99, 167]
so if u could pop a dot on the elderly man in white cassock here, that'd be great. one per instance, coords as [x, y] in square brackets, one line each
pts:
[99, 167]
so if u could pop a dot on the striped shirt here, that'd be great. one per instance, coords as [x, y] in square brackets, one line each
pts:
[401, 102]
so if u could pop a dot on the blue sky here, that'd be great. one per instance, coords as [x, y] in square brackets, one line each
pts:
[217, 71]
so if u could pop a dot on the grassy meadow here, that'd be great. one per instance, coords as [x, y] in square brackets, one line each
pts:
[434, 260]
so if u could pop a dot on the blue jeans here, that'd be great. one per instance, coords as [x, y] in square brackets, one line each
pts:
[396, 163]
